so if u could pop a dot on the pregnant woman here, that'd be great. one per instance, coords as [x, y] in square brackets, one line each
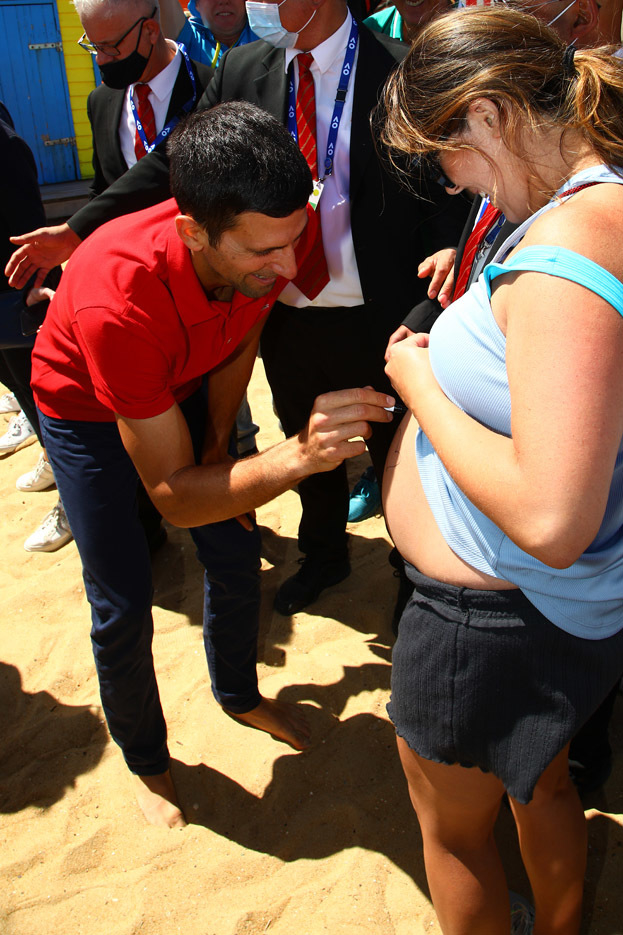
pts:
[504, 491]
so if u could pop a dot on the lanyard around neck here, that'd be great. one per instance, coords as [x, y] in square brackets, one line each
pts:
[492, 231]
[219, 48]
[166, 130]
[340, 98]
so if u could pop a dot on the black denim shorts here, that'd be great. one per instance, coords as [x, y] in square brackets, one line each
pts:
[482, 678]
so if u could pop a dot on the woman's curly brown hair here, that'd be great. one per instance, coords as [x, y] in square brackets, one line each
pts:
[512, 59]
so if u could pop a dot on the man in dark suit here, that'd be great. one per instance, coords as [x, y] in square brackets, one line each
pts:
[175, 83]
[374, 235]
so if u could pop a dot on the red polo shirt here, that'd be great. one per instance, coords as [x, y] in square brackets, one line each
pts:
[130, 329]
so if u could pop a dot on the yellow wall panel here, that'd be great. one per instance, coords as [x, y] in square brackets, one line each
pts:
[80, 79]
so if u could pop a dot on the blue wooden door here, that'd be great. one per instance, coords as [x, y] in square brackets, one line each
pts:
[33, 85]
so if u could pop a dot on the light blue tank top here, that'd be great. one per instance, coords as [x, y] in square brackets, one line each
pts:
[468, 357]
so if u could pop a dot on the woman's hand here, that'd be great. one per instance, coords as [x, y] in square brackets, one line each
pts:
[408, 368]
[399, 334]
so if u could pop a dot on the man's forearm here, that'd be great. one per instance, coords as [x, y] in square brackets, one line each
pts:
[188, 494]
[211, 493]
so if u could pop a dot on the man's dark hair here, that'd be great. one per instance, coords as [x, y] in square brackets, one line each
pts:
[236, 158]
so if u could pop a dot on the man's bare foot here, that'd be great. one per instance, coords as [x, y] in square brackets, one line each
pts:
[281, 719]
[157, 799]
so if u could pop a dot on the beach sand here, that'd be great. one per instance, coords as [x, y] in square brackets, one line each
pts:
[277, 841]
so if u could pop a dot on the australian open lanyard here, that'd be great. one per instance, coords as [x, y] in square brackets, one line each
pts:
[174, 120]
[338, 107]
[492, 231]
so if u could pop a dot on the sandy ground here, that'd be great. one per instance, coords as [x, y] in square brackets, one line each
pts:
[277, 841]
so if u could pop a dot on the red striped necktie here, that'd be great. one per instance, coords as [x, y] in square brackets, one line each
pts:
[145, 114]
[475, 239]
[306, 112]
[313, 275]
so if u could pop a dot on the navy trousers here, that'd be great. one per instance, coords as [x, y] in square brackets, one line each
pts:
[97, 483]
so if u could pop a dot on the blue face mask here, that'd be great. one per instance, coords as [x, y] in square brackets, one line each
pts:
[265, 21]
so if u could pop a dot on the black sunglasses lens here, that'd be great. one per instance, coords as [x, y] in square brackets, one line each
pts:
[444, 181]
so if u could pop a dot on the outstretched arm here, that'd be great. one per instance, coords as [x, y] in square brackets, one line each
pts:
[190, 495]
[39, 252]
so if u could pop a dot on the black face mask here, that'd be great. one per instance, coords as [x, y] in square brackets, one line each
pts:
[126, 71]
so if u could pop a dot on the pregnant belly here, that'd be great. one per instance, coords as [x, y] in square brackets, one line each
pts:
[412, 525]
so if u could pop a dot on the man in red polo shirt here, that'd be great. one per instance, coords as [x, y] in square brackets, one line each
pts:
[147, 305]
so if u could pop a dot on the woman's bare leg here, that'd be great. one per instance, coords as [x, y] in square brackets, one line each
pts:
[553, 841]
[457, 809]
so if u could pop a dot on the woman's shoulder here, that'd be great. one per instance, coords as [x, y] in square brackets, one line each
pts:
[589, 223]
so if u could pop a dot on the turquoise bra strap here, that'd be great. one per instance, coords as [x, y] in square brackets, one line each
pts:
[558, 261]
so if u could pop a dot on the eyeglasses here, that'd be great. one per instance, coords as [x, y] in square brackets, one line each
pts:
[436, 172]
[109, 48]
[444, 181]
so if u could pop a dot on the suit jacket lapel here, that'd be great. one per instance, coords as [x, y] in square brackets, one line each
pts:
[180, 95]
[114, 107]
[374, 63]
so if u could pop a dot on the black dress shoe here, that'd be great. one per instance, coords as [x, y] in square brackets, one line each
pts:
[304, 587]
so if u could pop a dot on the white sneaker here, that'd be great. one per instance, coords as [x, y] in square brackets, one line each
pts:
[8, 403]
[52, 534]
[18, 433]
[40, 478]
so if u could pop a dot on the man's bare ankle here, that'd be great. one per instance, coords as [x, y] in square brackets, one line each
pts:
[157, 799]
[280, 719]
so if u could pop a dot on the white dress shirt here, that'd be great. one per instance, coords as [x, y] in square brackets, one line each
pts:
[344, 289]
[160, 90]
